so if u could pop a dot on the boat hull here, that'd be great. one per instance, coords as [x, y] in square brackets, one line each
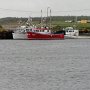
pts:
[20, 36]
[39, 36]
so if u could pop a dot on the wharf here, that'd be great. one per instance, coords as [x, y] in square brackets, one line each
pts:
[83, 37]
[77, 37]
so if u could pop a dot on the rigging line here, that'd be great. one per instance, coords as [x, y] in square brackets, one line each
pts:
[39, 11]
[74, 10]
[15, 10]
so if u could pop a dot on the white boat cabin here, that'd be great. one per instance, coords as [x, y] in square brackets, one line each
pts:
[41, 30]
[71, 32]
[24, 29]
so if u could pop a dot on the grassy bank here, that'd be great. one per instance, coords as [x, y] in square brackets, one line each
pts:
[57, 21]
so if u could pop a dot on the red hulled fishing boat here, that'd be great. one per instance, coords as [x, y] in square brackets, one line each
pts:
[43, 34]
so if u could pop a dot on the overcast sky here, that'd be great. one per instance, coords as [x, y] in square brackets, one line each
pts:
[26, 8]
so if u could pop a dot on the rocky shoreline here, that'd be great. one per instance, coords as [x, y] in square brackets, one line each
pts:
[6, 35]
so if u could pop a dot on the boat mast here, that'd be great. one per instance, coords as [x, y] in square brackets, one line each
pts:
[47, 17]
[50, 19]
[29, 21]
[41, 17]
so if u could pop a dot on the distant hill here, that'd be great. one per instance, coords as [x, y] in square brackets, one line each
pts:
[56, 20]
[11, 20]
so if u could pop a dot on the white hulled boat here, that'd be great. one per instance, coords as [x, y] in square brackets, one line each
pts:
[21, 32]
[70, 32]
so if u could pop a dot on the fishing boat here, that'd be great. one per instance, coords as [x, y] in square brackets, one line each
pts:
[43, 34]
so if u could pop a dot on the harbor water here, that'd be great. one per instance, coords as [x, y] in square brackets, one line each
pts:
[45, 64]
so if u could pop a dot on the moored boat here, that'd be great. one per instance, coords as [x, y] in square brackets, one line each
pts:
[70, 32]
[39, 36]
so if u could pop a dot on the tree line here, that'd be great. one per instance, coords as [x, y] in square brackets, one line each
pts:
[54, 18]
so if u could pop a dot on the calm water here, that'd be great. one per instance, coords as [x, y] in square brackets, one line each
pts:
[45, 64]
